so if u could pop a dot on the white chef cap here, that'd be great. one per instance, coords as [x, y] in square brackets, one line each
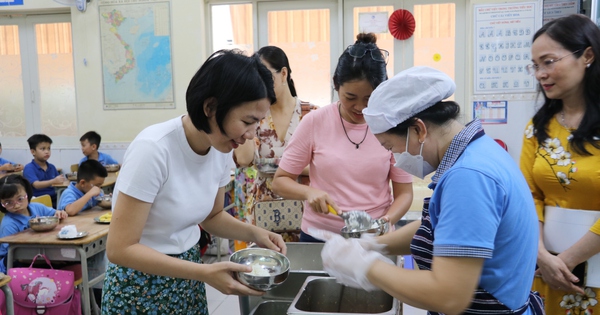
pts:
[405, 95]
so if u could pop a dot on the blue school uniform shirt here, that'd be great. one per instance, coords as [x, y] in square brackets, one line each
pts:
[4, 161]
[103, 158]
[13, 223]
[33, 172]
[482, 207]
[72, 194]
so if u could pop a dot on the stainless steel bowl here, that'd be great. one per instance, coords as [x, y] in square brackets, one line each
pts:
[269, 268]
[267, 165]
[104, 201]
[378, 227]
[111, 167]
[43, 224]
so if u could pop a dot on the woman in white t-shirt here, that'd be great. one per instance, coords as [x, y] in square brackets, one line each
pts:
[173, 179]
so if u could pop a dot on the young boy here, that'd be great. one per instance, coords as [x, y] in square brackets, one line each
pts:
[90, 142]
[41, 174]
[79, 196]
[8, 166]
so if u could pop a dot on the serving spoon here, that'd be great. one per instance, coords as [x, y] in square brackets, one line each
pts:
[354, 220]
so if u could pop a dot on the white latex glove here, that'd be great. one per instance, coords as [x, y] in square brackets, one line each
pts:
[369, 242]
[349, 262]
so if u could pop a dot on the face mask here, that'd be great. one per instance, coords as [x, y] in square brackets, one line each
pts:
[413, 164]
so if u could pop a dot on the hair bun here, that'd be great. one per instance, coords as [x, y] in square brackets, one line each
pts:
[366, 38]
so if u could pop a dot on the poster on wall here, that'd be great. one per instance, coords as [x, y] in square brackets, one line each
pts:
[11, 2]
[491, 112]
[373, 22]
[502, 43]
[556, 9]
[137, 68]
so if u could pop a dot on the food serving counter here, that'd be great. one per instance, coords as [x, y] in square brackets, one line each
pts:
[308, 290]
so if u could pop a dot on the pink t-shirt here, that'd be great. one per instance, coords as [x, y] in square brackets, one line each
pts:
[356, 179]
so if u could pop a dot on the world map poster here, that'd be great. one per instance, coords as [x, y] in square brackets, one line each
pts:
[137, 68]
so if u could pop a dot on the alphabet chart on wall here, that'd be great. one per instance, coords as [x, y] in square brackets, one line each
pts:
[502, 42]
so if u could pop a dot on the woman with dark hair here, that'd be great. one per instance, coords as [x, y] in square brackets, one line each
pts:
[476, 244]
[560, 160]
[349, 170]
[272, 135]
[172, 179]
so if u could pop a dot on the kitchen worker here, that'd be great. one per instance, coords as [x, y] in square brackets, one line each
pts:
[476, 245]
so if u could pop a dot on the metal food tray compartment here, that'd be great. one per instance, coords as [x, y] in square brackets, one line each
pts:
[271, 308]
[324, 296]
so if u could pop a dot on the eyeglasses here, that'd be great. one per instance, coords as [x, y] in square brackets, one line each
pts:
[547, 65]
[359, 51]
[9, 204]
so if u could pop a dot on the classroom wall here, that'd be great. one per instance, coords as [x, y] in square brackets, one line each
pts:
[117, 127]
[188, 53]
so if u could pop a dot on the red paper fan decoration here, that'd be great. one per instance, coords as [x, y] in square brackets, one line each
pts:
[401, 24]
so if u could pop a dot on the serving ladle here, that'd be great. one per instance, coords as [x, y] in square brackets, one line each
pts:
[354, 220]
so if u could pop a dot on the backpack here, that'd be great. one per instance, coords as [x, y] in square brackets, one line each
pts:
[43, 291]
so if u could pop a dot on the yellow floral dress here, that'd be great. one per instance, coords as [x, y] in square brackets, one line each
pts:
[559, 176]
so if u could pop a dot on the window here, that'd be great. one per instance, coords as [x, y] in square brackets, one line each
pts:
[37, 88]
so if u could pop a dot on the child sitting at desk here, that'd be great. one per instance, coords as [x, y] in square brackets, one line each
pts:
[80, 195]
[15, 195]
[90, 142]
[41, 174]
[8, 166]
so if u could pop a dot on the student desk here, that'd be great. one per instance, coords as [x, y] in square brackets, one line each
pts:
[25, 245]
[109, 182]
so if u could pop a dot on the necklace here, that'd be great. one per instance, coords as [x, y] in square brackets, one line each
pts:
[342, 121]
[562, 120]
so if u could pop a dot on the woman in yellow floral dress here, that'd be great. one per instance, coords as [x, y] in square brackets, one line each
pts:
[561, 159]
[272, 134]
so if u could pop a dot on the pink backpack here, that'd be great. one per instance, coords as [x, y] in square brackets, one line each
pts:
[44, 291]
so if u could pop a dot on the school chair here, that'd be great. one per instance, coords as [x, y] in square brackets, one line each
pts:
[74, 168]
[8, 296]
[43, 199]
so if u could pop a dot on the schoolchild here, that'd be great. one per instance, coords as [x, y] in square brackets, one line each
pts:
[80, 195]
[39, 172]
[15, 197]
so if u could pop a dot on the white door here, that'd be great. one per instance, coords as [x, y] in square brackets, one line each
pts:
[308, 32]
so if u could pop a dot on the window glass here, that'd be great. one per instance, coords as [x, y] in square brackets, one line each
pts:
[12, 111]
[232, 27]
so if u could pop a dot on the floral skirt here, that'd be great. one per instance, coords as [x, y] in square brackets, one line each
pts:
[565, 303]
[128, 291]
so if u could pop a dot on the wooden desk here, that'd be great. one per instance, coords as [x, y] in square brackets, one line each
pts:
[25, 245]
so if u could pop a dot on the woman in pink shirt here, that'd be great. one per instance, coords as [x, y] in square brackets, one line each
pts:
[349, 169]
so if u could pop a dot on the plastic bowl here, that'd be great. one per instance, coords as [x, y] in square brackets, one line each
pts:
[378, 227]
[111, 167]
[104, 201]
[267, 165]
[269, 268]
[43, 224]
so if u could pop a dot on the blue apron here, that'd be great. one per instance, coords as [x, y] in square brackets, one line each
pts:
[483, 302]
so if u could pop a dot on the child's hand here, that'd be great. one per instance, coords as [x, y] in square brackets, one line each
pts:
[7, 167]
[95, 191]
[58, 179]
[18, 167]
[61, 214]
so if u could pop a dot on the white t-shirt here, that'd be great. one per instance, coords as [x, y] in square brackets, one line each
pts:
[159, 167]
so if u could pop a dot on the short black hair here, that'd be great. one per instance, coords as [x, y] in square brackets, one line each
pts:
[91, 169]
[225, 81]
[37, 139]
[92, 137]
[10, 185]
